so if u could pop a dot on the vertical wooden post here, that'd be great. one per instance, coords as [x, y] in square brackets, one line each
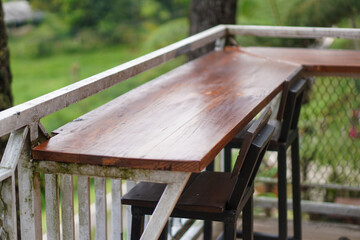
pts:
[8, 164]
[100, 206]
[52, 206]
[129, 185]
[8, 201]
[116, 213]
[84, 208]
[29, 197]
[67, 207]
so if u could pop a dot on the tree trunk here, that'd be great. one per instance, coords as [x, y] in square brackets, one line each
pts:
[205, 14]
[6, 99]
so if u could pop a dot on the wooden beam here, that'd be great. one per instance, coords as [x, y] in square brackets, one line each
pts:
[113, 172]
[84, 208]
[14, 148]
[116, 210]
[52, 206]
[313, 207]
[8, 201]
[164, 208]
[101, 209]
[67, 206]
[293, 32]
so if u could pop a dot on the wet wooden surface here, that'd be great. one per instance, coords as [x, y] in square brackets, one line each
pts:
[314, 60]
[179, 121]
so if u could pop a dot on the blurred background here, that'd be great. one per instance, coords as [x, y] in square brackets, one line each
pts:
[54, 43]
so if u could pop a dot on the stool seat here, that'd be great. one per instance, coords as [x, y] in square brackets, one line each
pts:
[205, 192]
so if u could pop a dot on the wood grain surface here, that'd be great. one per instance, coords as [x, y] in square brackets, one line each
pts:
[179, 121]
[313, 60]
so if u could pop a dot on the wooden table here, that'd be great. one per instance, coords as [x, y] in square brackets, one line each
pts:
[314, 61]
[171, 126]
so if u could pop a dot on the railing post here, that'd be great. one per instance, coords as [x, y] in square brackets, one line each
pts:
[10, 158]
[100, 207]
[8, 220]
[67, 206]
[29, 196]
[52, 206]
[116, 213]
[84, 208]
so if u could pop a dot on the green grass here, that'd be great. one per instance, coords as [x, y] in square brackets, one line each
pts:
[36, 76]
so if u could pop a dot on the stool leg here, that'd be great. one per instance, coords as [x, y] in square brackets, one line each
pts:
[208, 224]
[248, 220]
[282, 196]
[230, 231]
[207, 230]
[295, 167]
[227, 159]
[137, 224]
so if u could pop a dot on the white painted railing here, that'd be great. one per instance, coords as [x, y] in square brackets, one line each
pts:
[22, 122]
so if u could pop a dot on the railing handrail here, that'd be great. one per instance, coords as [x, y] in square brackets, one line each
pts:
[17, 154]
[293, 32]
[33, 110]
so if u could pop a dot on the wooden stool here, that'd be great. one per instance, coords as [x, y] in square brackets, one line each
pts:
[214, 196]
[286, 134]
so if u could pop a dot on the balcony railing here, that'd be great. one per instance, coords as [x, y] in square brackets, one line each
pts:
[22, 180]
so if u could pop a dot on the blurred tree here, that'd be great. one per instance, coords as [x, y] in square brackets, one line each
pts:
[113, 21]
[175, 8]
[205, 14]
[6, 99]
[107, 14]
[91, 13]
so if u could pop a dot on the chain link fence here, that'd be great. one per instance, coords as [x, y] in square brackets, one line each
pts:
[330, 139]
[329, 129]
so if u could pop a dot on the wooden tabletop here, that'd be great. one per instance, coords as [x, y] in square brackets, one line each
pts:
[323, 61]
[179, 121]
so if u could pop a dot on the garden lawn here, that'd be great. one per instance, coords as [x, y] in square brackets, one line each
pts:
[33, 77]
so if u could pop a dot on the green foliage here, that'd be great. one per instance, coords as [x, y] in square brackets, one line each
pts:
[89, 13]
[324, 130]
[111, 20]
[314, 13]
[44, 39]
[35, 77]
[321, 13]
[167, 33]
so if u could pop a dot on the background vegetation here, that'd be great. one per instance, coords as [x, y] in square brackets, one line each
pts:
[79, 38]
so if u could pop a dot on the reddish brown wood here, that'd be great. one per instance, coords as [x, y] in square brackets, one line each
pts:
[314, 60]
[179, 121]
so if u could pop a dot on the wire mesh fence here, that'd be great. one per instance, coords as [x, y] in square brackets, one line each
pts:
[329, 129]
[330, 139]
